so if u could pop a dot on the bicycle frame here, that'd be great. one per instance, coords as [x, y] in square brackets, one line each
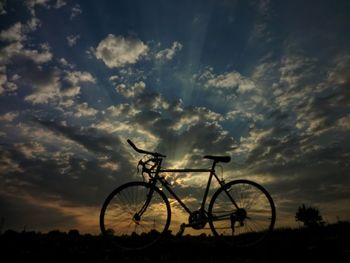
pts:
[165, 183]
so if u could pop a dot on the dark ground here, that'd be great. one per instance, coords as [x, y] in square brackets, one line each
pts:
[323, 244]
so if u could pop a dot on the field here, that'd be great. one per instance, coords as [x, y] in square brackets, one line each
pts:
[323, 244]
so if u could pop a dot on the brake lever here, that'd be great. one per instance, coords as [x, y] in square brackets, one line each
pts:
[141, 163]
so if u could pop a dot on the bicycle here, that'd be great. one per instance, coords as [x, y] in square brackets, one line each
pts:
[137, 214]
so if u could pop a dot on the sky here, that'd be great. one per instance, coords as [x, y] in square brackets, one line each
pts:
[265, 82]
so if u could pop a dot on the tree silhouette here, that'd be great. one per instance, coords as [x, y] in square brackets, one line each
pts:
[310, 216]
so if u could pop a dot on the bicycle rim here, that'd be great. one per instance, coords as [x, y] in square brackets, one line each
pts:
[133, 219]
[251, 222]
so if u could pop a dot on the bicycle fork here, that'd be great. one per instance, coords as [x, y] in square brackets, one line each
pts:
[137, 216]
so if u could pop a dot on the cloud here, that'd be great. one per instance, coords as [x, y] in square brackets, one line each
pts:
[31, 4]
[296, 147]
[72, 40]
[261, 30]
[45, 82]
[295, 69]
[122, 110]
[169, 53]
[132, 91]
[114, 78]
[151, 101]
[2, 8]
[248, 117]
[67, 93]
[266, 72]
[118, 51]
[13, 33]
[338, 74]
[293, 158]
[74, 156]
[77, 77]
[75, 11]
[156, 123]
[83, 110]
[33, 24]
[14, 36]
[230, 80]
[59, 4]
[194, 115]
[344, 122]
[46, 85]
[9, 116]
[317, 101]
[70, 92]
[320, 113]
[190, 145]
[65, 63]
[31, 150]
[8, 164]
[17, 49]
[3, 79]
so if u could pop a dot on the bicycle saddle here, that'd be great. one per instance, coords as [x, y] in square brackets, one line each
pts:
[223, 159]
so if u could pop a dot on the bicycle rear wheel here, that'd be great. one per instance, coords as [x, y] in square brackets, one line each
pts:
[241, 213]
[135, 215]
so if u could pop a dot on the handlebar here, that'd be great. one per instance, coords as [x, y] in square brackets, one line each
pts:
[155, 154]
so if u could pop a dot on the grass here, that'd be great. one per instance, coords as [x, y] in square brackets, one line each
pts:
[329, 243]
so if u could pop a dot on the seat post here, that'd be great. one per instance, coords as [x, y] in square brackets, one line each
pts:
[213, 166]
[212, 172]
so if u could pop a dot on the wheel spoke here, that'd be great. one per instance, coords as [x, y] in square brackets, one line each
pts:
[251, 222]
[121, 215]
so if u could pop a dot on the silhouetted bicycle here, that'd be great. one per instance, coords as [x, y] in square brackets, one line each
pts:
[137, 214]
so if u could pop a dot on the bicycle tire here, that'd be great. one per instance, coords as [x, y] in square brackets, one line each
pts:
[251, 223]
[120, 222]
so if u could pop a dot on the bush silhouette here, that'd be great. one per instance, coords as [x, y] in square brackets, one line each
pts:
[310, 216]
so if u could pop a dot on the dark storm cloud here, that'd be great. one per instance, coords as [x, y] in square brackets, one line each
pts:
[26, 70]
[32, 72]
[325, 110]
[180, 128]
[66, 173]
[97, 142]
[208, 138]
[320, 115]
[90, 138]
[309, 164]
[301, 142]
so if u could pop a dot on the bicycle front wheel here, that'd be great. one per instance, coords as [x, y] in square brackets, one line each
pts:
[135, 215]
[242, 213]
